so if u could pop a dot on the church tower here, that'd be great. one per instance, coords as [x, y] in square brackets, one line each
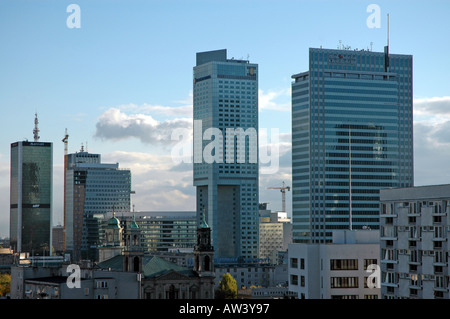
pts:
[113, 244]
[204, 251]
[133, 252]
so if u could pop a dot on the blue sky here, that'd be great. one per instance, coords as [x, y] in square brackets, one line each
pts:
[131, 62]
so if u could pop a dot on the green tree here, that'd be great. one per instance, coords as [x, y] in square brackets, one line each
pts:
[227, 287]
[5, 284]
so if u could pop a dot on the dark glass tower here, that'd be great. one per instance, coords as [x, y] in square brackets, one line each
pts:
[352, 135]
[31, 196]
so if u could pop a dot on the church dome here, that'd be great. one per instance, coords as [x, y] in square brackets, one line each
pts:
[113, 222]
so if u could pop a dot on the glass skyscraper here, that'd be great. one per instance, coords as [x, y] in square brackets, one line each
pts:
[226, 103]
[31, 197]
[92, 189]
[352, 135]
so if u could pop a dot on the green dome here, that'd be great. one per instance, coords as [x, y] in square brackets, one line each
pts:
[113, 222]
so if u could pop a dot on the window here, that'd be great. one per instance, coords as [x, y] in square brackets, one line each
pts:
[368, 262]
[294, 262]
[294, 280]
[344, 264]
[344, 282]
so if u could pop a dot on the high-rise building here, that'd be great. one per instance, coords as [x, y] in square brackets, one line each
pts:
[92, 189]
[225, 167]
[415, 227]
[352, 135]
[31, 195]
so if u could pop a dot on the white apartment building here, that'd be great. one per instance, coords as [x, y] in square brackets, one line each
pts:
[337, 270]
[415, 225]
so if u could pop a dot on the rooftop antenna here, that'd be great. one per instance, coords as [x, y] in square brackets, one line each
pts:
[82, 147]
[388, 29]
[386, 48]
[36, 128]
[65, 141]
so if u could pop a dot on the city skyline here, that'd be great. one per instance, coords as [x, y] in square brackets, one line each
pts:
[124, 94]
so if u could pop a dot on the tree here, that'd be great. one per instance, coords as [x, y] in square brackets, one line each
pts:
[227, 288]
[5, 284]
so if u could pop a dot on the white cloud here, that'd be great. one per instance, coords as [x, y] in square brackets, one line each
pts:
[432, 110]
[275, 100]
[114, 124]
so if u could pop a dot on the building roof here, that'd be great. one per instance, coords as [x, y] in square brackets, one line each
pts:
[152, 266]
[49, 280]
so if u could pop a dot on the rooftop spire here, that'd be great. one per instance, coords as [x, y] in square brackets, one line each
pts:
[36, 128]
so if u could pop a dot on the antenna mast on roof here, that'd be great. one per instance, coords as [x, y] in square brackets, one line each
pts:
[65, 141]
[36, 128]
[386, 49]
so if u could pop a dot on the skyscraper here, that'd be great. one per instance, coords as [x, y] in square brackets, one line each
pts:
[226, 151]
[31, 195]
[352, 134]
[92, 189]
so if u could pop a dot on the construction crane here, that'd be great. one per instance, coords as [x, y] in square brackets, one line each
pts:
[65, 140]
[283, 194]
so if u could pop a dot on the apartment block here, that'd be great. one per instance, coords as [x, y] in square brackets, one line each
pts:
[415, 225]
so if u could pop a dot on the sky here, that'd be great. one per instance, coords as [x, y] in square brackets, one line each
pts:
[118, 75]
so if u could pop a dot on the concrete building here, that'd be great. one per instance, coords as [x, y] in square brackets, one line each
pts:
[337, 270]
[49, 281]
[415, 226]
[31, 185]
[352, 135]
[226, 170]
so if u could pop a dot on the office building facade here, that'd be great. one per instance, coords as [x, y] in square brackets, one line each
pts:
[92, 189]
[31, 197]
[415, 227]
[225, 174]
[352, 135]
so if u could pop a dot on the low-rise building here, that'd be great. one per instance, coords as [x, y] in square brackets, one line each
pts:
[337, 270]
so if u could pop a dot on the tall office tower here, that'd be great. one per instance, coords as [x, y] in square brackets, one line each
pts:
[92, 189]
[31, 195]
[226, 174]
[352, 134]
